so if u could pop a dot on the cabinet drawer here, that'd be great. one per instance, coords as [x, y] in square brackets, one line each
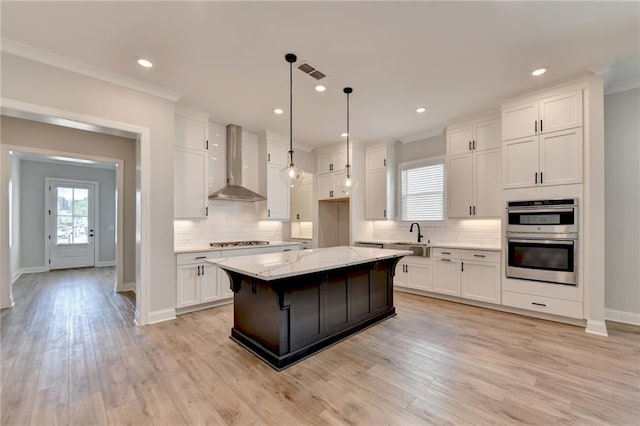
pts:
[197, 257]
[565, 308]
[417, 260]
[480, 255]
[445, 253]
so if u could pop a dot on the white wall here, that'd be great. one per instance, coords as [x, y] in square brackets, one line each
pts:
[32, 82]
[14, 219]
[32, 205]
[430, 147]
[622, 194]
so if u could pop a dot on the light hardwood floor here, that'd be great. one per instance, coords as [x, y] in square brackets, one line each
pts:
[71, 354]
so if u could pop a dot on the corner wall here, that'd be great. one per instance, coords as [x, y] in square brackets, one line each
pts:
[622, 201]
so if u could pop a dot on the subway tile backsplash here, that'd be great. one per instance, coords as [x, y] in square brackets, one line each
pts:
[481, 231]
[227, 221]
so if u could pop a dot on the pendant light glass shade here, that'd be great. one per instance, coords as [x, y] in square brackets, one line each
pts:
[347, 184]
[291, 175]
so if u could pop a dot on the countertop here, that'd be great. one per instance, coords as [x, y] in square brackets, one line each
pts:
[193, 249]
[447, 244]
[272, 266]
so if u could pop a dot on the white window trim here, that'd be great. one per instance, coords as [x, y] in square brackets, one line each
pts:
[427, 161]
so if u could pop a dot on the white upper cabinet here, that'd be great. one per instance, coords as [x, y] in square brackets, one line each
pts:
[330, 162]
[380, 188]
[477, 135]
[302, 200]
[272, 158]
[474, 168]
[191, 166]
[545, 115]
[328, 186]
[548, 159]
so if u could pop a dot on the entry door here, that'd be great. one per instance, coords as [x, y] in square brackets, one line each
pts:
[71, 226]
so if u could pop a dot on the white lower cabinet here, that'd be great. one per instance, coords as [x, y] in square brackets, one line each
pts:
[414, 272]
[446, 276]
[197, 280]
[471, 274]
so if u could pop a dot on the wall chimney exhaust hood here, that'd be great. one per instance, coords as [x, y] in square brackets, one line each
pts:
[234, 191]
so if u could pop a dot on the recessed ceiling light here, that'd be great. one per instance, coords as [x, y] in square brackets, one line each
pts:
[145, 63]
[320, 88]
[344, 135]
[538, 72]
[278, 111]
[420, 110]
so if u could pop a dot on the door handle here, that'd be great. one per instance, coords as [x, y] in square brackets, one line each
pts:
[469, 145]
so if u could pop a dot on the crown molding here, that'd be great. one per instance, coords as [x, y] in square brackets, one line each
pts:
[38, 55]
[425, 135]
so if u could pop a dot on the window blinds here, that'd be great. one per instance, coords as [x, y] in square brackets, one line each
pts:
[423, 192]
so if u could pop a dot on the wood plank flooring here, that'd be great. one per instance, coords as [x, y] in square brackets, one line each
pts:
[71, 354]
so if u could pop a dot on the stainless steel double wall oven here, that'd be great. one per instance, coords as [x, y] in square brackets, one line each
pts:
[542, 240]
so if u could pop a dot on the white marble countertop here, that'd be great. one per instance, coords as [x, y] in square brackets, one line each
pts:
[197, 248]
[272, 266]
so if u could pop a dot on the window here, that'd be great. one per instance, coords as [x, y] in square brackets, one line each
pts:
[422, 190]
[73, 215]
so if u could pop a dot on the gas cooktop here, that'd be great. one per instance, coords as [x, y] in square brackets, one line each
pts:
[238, 243]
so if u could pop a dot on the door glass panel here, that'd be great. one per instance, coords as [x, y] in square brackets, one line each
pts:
[72, 215]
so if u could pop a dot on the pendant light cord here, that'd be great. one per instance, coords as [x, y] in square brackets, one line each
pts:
[291, 113]
[348, 91]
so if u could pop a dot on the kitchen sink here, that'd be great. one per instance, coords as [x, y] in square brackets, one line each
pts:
[418, 249]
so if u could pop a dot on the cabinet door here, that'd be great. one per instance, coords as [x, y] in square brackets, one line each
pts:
[277, 154]
[487, 135]
[459, 140]
[419, 276]
[487, 175]
[190, 134]
[188, 284]
[277, 194]
[561, 157]
[376, 158]
[339, 160]
[520, 121]
[217, 157]
[324, 163]
[250, 161]
[325, 186]
[208, 283]
[520, 163]
[190, 183]
[460, 185]
[376, 194]
[481, 281]
[446, 276]
[224, 284]
[561, 112]
[301, 196]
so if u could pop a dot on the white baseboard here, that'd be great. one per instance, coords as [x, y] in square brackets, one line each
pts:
[105, 264]
[622, 316]
[162, 315]
[597, 327]
[15, 276]
[127, 287]
[34, 270]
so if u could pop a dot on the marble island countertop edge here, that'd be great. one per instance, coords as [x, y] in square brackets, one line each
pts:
[289, 271]
[196, 249]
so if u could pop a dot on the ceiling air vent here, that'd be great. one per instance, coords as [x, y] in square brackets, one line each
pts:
[308, 69]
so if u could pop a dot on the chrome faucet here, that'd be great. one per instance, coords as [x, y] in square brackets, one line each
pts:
[419, 234]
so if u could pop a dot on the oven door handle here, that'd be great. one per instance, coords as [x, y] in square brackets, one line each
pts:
[569, 242]
[545, 210]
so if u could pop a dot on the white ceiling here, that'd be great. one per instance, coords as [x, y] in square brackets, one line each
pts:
[228, 58]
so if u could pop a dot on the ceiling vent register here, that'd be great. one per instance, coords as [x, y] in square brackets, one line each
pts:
[309, 70]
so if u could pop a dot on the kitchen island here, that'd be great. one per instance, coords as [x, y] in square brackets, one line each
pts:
[290, 305]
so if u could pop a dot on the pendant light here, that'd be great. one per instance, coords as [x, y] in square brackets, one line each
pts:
[291, 175]
[347, 184]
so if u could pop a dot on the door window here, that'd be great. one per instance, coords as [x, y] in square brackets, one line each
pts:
[73, 215]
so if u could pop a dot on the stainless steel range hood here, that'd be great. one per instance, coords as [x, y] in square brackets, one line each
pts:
[234, 191]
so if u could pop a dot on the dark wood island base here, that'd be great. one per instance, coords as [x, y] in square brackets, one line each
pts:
[285, 320]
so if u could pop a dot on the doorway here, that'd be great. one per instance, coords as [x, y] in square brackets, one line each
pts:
[71, 216]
